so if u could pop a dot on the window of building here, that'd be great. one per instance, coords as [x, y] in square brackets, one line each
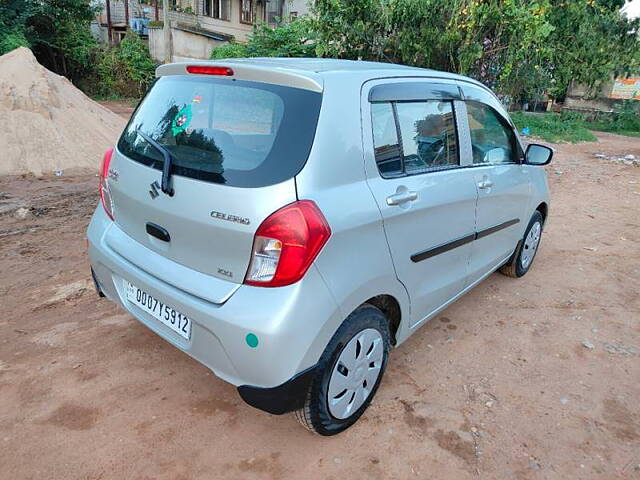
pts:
[217, 9]
[275, 12]
[246, 11]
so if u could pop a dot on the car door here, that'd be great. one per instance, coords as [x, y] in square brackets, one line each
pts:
[503, 185]
[427, 200]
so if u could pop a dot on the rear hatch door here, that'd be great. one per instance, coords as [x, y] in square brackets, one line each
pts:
[236, 147]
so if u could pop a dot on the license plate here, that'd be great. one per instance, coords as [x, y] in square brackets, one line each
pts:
[173, 319]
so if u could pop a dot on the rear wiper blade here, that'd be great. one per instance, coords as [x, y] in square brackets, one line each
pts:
[168, 162]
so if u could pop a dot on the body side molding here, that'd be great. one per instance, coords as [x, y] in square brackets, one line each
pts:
[458, 242]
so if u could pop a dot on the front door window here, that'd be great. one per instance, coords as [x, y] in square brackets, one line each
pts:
[492, 141]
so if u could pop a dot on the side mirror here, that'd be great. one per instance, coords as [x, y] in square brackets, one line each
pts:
[537, 154]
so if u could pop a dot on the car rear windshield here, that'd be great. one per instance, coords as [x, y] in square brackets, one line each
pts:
[240, 133]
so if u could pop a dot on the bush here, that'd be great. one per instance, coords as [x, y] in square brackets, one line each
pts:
[626, 116]
[295, 39]
[11, 41]
[624, 120]
[230, 50]
[125, 70]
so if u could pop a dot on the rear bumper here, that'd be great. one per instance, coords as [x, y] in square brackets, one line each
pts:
[284, 398]
[290, 323]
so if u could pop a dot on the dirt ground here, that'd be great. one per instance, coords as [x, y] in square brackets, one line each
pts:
[536, 378]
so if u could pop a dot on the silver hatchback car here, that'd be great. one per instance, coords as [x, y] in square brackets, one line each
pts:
[287, 221]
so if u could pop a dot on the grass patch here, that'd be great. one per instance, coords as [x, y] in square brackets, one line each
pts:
[554, 127]
[573, 127]
[607, 127]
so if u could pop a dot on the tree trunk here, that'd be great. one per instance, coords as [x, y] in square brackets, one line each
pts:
[109, 33]
[166, 30]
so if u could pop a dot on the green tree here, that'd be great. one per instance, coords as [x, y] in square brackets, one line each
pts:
[56, 30]
[590, 44]
[522, 48]
[500, 42]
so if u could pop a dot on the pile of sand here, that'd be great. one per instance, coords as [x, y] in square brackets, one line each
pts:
[47, 123]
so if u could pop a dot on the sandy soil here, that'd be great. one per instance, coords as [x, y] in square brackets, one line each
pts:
[499, 385]
[49, 124]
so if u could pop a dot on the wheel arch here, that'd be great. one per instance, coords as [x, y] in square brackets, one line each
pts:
[390, 307]
[543, 208]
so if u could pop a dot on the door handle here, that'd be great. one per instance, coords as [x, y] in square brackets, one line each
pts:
[401, 197]
[485, 184]
[158, 232]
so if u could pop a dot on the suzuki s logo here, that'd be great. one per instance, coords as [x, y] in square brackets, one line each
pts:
[155, 186]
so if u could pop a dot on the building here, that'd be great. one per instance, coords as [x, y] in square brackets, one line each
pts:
[196, 25]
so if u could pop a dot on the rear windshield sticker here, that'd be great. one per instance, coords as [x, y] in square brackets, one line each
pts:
[181, 120]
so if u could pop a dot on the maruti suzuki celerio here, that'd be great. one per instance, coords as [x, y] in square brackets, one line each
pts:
[287, 221]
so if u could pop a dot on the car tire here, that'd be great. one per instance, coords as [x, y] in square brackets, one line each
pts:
[522, 259]
[365, 334]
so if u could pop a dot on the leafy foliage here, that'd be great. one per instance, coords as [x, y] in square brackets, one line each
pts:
[12, 40]
[521, 48]
[624, 120]
[591, 42]
[295, 39]
[56, 30]
[125, 70]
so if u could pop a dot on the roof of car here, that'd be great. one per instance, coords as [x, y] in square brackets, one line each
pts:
[309, 72]
[326, 65]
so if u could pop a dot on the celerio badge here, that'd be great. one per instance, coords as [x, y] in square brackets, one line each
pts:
[230, 218]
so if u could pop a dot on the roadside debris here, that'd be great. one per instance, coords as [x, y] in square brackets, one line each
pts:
[627, 159]
[22, 213]
[588, 344]
[620, 349]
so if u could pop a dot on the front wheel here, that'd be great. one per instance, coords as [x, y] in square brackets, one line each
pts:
[351, 368]
[522, 258]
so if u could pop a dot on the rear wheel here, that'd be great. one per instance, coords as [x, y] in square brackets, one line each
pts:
[522, 258]
[351, 368]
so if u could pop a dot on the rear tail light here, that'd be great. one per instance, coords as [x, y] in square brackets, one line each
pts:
[210, 70]
[105, 192]
[286, 244]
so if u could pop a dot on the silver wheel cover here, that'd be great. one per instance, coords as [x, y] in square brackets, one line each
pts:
[530, 245]
[355, 373]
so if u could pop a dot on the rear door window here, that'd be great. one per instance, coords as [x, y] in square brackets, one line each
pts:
[234, 132]
[414, 137]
